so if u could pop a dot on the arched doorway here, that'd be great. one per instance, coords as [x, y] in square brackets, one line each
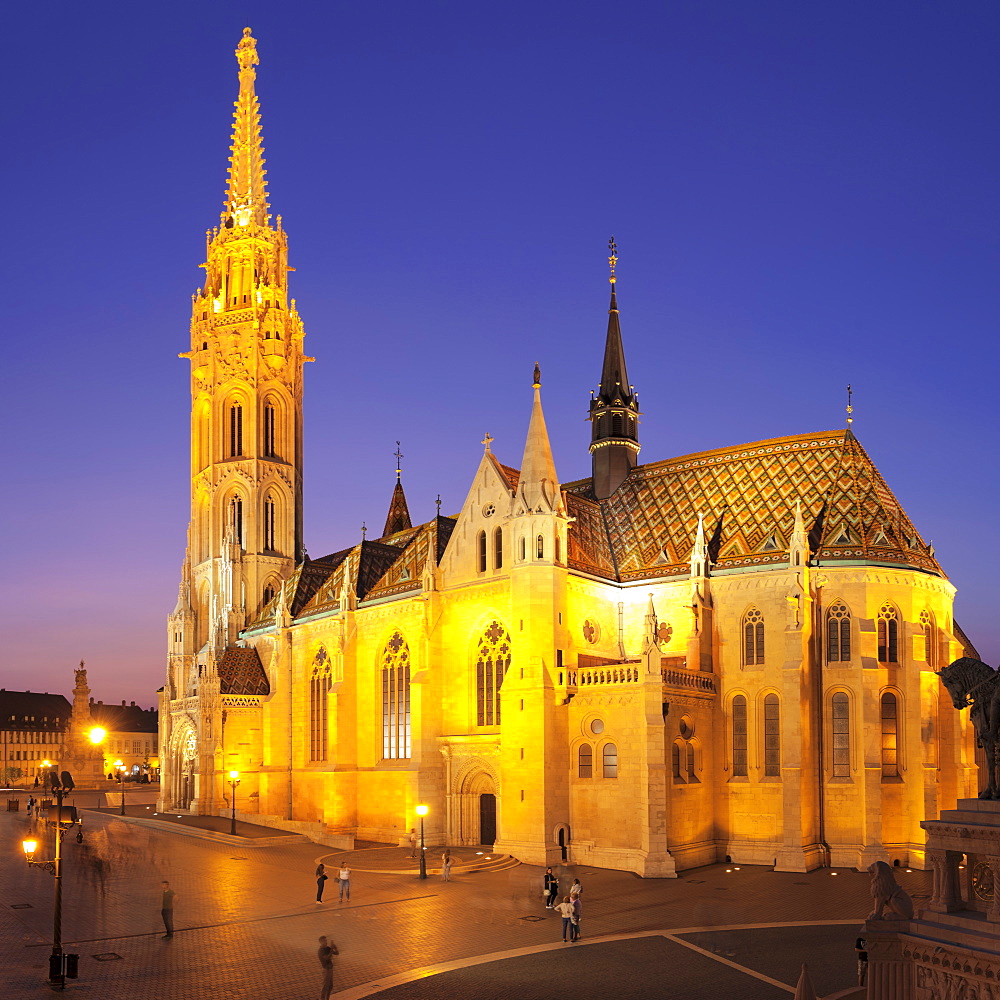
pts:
[183, 790]
[562, 837]
[476, 813]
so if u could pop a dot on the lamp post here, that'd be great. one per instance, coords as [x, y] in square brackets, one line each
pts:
[422, 812]
[234, 780]
[60, 965]
[120, 768]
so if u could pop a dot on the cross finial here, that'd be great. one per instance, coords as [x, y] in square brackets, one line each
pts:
[399, 459]
[613, 259]
[364, 530]
[438, 503]
[850, 409]
[486, 442]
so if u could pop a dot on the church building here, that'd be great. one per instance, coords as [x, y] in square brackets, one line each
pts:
[725, 654]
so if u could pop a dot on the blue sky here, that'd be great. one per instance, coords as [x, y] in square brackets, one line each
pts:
[803, 196]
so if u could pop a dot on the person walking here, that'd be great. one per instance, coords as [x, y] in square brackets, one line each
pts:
[344, 876]
[576, 888]
[327, 949]
[167, 910]
[446, 866]
[321, 878]
[565, 910]
[551, 889]
[577, 914]
[413, 843]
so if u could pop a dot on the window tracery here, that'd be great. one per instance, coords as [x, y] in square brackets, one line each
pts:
[492, 663]
[838, 634]
[319, 689]
[753, 638]
[396, 739]
[888, 634]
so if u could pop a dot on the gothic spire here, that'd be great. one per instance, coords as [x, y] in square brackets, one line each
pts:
[398, 518]
[246, 195]
[614, 410]
[538, 485]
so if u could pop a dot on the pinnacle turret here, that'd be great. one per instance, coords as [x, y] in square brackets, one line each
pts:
[614, 409]
[246, 194]
[538, 485]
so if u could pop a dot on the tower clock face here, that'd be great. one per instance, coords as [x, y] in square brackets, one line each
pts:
[982, 880]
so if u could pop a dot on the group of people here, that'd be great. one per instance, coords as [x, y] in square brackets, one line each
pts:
[343, 881]
[570, 909]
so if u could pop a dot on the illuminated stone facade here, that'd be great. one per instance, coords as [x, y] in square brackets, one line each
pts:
[728, 653]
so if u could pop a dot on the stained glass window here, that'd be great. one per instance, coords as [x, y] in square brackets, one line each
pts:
[396, 699]
[772, 737]
[492, 663]
[739, 736]
[838, 634]
[841, 707]
[753, 638]
[319, 689]
[930, 646]
[888, 635]
[890, 730]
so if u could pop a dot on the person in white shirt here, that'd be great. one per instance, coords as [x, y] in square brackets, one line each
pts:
[565, 910]
[345, 883]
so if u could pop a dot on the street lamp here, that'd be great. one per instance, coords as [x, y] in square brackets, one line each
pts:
[60, 965]
[422, 812]
[234, 780]
[120, 768]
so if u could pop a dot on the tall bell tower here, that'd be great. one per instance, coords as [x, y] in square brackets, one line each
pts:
[246, 357]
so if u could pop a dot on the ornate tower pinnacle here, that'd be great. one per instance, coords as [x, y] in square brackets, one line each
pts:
[538, 485]
[246, 195]
[614, 410]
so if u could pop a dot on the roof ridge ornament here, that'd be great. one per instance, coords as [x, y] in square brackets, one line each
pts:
[850, 408]
[613, 259]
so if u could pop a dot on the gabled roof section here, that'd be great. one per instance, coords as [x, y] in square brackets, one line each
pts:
[241, 672]
[398, 518]
[756, 486]
[587, 538]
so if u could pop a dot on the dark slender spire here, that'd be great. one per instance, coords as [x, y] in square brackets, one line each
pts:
[398, 518]
[614, 409]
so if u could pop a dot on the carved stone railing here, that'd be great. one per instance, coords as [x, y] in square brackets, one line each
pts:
[590, 676]
[693, 680]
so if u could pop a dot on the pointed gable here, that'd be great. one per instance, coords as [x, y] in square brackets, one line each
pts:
[398, 518]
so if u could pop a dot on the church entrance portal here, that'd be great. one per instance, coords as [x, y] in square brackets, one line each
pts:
[487, 818]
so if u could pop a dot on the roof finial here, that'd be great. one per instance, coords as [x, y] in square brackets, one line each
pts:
[613, 259]
[246, 193]
[536, 382]
[364, 530]
[486, 442]
[399, 459]
[850, 409]
[438, 503]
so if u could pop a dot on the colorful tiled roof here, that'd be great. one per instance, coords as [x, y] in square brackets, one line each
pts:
[241, 672]
[652, 518]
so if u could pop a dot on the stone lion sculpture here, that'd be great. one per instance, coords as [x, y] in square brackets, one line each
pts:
[888, 895]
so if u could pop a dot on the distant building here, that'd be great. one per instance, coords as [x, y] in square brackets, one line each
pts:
[725, 654]
[33, 729]
[131, 737]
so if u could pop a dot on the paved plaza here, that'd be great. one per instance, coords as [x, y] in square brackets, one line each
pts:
[247, 923]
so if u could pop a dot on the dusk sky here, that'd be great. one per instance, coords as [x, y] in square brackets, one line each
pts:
[803, 195]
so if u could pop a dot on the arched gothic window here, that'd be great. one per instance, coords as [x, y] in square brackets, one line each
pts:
[610, 760]
[739, 747]
[772, 737]
[585, 761]
[838, 634]
[396, 699]
[753, 638]
[268, 444]
[841, 712]
[930, 639]
[236, 517]
[692, 777]
[498, 548]
[675, 763]
[890, 736]
[888, 634]
[235, 430]
[269, 593]
[269, 512]
[319, 689]
[481, 545]
[539, 547]
[523, 548]
[492, 662]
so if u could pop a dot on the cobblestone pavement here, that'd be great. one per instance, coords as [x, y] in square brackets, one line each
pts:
[247, 925]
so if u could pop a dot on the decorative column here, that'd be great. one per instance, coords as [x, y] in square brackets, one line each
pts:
[993, 913]
[947, 895]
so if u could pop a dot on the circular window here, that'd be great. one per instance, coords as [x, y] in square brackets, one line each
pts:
[597, 727]
[591, 630]
[489, 510]
[687, 727]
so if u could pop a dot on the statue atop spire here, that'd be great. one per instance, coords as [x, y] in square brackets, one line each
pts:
[246, 195]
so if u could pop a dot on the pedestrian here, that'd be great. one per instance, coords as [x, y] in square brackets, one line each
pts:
[551, 889]
[31, 803]
[565, 909]
[344, 877]
[575, 889]
[446, 866]
[577, 914]
[327, 949]
[861, 947]
[321, 878]
[413, 842]
[167, 910]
